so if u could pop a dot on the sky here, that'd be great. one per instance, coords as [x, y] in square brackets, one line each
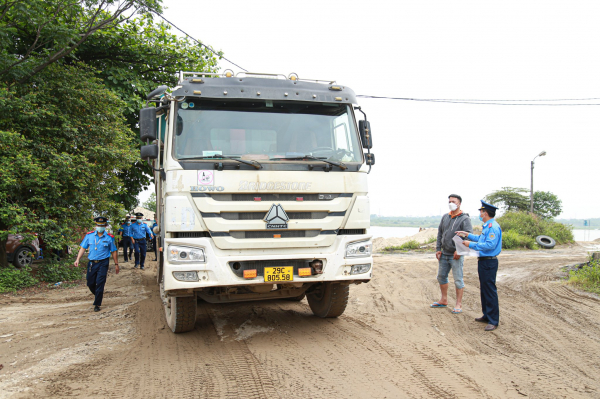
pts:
[510, 50]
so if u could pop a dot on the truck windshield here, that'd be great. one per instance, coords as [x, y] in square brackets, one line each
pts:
[266, 130]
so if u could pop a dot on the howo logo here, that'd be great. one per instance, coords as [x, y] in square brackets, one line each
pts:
[276, 218]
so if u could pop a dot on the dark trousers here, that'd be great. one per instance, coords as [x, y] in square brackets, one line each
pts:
[154, 246]
[96, 278]
[127, 245]
[487, 269]
[140, 251]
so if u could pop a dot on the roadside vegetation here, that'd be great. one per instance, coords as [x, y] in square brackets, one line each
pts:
[588, 277]
[519, 230]
[46, 274]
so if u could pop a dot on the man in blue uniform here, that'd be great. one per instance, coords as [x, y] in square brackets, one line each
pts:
[101, 246]
[138, 234]
[125, 233]
[489, 245]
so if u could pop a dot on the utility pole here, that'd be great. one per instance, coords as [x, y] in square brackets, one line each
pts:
[541, 154]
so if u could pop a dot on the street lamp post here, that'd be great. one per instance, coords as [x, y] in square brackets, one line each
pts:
[541, 154]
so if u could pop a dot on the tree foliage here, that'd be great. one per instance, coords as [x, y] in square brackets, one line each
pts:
[57, 158]
[150, 203]
[510, 199]
[73, 76]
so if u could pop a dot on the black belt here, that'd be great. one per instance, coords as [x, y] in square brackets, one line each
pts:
[98, 261]
[488, 257]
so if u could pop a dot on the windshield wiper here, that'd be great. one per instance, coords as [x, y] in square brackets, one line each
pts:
[340, 165]
[252, 162]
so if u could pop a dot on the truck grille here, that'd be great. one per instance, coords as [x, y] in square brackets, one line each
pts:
[261, 215]
[260, 265]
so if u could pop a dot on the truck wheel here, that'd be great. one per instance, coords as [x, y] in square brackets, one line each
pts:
[180, 312]
[23, 258]
[329, 300]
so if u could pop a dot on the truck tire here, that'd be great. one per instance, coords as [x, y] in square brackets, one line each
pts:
[180, 312]
[329, 300]
[545, 242]
[23, 257]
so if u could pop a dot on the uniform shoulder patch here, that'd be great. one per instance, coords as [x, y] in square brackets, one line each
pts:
[111, 235]
[490, 225]
[90, 232]
[492, 236]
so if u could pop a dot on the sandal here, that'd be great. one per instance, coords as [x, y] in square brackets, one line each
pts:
[456, 310]
[438, 305]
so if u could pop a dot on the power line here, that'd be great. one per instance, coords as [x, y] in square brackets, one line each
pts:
[486, 102]
[197, 41]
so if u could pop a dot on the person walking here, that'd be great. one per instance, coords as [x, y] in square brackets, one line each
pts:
[489, 245]
[125, 233]
[138, 234]
[101, 245]
[446, 254]
[154, 238]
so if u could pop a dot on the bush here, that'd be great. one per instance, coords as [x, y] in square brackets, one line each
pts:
[54, 271]
[512, 240]
[412, 244]
[531, 226]
[16, 279]
[587, 278]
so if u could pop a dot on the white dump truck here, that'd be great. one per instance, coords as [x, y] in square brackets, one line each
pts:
[261, 189]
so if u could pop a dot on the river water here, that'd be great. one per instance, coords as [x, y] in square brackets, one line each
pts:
[399, 232]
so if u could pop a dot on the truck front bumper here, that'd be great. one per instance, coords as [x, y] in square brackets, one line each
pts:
[216, 271]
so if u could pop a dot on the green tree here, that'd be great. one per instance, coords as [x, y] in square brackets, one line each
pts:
[509, 199]
[546, 204]
[63, 140]
[150, 204]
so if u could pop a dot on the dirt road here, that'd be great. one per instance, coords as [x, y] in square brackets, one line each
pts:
[388, 343]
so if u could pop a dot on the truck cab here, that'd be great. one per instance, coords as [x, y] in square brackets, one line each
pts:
[261, 188]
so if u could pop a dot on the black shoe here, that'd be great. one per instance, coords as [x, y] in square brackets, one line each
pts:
[482, 319]
[96, 308]
[135, 266]
[154, 260]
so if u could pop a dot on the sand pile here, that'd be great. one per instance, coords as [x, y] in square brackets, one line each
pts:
[421, 237]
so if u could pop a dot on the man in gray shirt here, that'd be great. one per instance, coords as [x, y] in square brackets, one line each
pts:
[446, 254]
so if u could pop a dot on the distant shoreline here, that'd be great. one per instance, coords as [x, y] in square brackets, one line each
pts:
[434, 222]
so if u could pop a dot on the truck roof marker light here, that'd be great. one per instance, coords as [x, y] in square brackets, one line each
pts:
[197, 81]
[304, 272]
[314, 96]
[338, 99]
[228, 73]
[258, 93]
[198, 92]
[276, 235]
[335, 88]
[293, 76]
[285, 94]
[250, 273]
[225, 93]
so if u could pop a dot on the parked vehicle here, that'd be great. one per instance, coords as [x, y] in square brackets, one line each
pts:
[21, 253]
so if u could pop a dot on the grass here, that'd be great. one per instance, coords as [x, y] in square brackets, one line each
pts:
[412, 244]
[519, 230]
[49, 271]
[587, 278]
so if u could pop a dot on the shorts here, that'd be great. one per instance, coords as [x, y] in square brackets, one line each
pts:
[448, 262]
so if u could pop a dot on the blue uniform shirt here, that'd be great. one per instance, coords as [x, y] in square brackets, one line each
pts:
[138, 231]
[489, 243]
[126, 229]
[100, 247]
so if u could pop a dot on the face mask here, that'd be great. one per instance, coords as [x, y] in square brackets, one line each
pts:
[139, 221]
[452, 206]
[128, 223]
[481, 218]
[100, 229]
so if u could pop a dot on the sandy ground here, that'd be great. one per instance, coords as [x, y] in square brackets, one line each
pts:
[388, 343]
[421, 237]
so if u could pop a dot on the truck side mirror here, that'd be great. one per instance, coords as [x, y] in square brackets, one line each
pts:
[364, 128]
[148, 124]
[370, 159]
[149, 152]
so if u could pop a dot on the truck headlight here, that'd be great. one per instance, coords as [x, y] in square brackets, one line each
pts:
[186, 276]
[179, 254]
[360, 269]
[358, 249]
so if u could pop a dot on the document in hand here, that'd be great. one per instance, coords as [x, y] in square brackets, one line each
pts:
[461, 249]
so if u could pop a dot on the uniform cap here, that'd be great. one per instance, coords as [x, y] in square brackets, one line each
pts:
[101, 221]
[128, 217]
[139, 215]
[487, 207]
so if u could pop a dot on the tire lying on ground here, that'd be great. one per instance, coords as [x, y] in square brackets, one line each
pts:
[545, 242]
